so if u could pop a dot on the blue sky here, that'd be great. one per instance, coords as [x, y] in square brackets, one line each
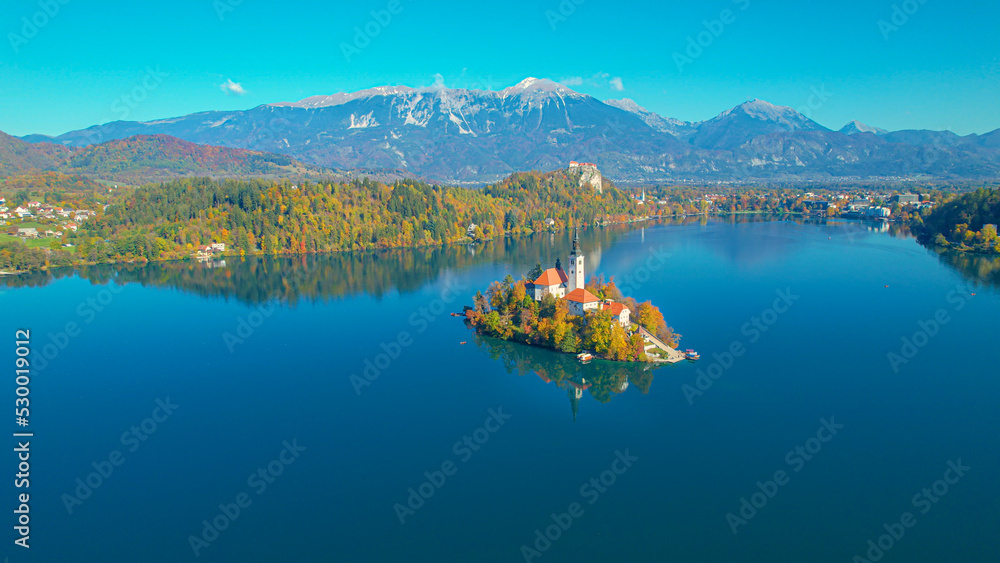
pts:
[938, 69]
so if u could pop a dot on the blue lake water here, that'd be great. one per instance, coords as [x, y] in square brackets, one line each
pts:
[259, 355]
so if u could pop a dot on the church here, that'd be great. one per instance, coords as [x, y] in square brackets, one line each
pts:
[571, 287]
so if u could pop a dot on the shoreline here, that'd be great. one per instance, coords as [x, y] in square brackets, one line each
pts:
[464, 242]
[676, 356]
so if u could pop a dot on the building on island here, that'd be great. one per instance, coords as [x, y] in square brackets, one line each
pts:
[553, 281]
[572, 288]
[580, 301]
[619, 312]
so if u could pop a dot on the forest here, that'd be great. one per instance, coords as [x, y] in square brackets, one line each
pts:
[170, 219]
[966, 223]
[16, 256]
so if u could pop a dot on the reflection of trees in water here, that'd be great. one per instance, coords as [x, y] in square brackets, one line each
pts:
[602, 380]
[256, 280]
[980, 269]
[320, 277]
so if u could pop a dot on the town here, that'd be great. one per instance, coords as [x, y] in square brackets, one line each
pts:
[37, 220]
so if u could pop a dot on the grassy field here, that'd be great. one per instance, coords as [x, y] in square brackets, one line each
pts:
[32, 225]
[32, 242]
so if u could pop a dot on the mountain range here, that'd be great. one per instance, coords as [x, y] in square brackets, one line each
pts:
[145, 158]
[463, 136]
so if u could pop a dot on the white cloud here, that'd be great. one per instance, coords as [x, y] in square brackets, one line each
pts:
[598, 80]
[232, 88]
[438, 82]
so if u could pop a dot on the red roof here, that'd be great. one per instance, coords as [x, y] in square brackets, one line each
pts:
[580, 295]
[615, 308]
[551, 277]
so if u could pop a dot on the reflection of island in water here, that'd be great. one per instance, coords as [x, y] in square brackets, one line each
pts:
[601, 379]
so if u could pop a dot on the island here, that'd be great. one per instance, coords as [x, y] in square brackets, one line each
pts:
[556, 309]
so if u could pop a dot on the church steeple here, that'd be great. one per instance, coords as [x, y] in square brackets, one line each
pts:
[574, 399]
[576, 274]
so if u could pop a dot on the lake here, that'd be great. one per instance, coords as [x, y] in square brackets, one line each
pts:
[329, 408]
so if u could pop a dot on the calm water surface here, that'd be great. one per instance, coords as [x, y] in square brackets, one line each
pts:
[428, 416]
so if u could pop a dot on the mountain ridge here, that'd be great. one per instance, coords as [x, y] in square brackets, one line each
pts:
[467, 136]
[143, 158]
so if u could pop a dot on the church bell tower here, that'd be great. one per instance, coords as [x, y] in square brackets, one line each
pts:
[576, 273]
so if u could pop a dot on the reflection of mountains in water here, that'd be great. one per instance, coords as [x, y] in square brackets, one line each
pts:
[602, 380]
[256, 280]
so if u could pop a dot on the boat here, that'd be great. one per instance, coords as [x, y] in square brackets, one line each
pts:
[585, 356]
[691, 354]
[462, 343]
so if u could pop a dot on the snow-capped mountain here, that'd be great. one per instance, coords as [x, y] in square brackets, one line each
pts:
[855, 127]
[478, 136]
[749, 120]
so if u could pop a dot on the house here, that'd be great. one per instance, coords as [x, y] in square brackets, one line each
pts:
[27, 233]
[581, 301]
[218, 247]
[72, 226]
[553, 281]
[471, 230]
[882, 212]
[34, 204]
[619, 312]
[22, 212]
[570, 287]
